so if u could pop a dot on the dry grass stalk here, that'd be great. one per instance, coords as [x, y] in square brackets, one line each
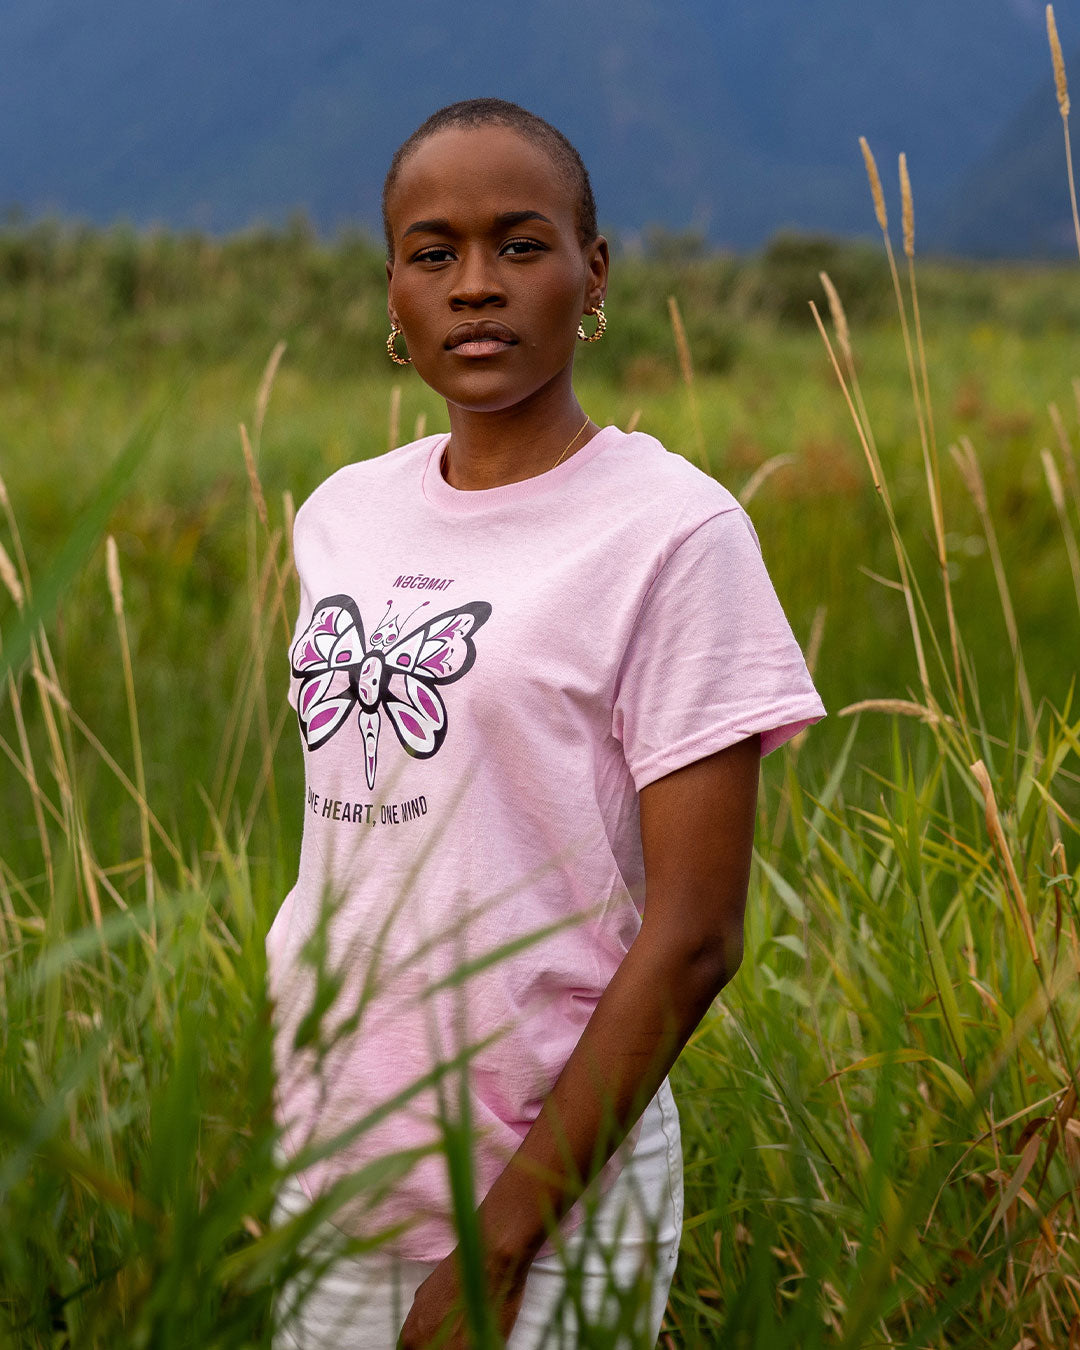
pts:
[67, 818]
[843, 334]
[927, 431]
[16, 537]
[237, 725]
[871, 456]
[1059, 62]
[253, 478]
[393, 428]
[125, 782]
[968, 463]
[1057, 496]
[1067, 456]
[420, 426]
[686, 369]
[251, 690]
[880, 486]
[24, 761]
[811, 654]
[875, 184]
[634, 422]
[839, 318]
[1001, 848]
[879, 208]
[908, 206]
[116, 590]
[262, 398]
[266, 768]
[762, 473]
[817, 635]
[19, 589]
[112, 574]
[10, 578]
[1062, 86]
[921, 400]
[288, 507]
[902, 707]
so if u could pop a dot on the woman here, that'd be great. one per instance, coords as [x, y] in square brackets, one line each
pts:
[536, 664]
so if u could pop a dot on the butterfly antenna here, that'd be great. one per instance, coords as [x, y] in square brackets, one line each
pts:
[389, 606]
[411, 612]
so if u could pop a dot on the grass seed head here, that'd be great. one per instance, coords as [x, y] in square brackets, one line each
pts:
[875, 184]
[10, 578]
[839, 318]
[1053, 480]
[1059, 62]
[253, 476]
[262, 398]
[682, 345]
[112, 572]
[908, 207]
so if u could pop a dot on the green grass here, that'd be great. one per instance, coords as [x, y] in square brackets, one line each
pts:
[880, 1119]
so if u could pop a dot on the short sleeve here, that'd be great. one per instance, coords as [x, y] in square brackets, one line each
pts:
[711, 659]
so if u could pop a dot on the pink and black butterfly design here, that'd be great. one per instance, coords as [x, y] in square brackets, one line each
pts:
[339, 668]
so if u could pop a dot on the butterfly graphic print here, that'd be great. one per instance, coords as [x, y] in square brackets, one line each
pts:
[340, 669]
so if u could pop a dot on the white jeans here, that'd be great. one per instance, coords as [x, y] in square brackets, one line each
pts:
[626, 1257]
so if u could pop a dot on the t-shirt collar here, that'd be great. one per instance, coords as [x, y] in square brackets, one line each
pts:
[439, 492]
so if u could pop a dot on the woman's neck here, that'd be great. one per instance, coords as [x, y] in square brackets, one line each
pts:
[491, 449]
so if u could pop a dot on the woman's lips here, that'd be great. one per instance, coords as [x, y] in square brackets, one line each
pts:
[480, 337]
[481, 347]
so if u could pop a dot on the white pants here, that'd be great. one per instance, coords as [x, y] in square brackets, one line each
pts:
[626, 1258]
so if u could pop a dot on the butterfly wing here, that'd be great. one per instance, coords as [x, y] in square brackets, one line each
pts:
[417, 714]
[322, 658]
[442, 649]
[439, 652]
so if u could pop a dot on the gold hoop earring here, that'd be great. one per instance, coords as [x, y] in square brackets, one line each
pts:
[601, 324]
[397, 360]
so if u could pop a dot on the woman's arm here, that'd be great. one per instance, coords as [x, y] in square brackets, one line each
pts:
[697, 829]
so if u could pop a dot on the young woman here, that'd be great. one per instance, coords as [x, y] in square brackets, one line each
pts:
[535, 667]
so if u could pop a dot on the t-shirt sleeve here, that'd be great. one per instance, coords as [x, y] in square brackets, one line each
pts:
[711, 659]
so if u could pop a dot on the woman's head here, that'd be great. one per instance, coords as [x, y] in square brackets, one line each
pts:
[480, 112]
[493, 255]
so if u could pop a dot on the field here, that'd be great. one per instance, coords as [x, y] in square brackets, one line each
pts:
[880, 1116]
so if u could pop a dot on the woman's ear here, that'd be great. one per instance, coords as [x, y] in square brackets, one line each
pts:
[389, 306]
[597, 262]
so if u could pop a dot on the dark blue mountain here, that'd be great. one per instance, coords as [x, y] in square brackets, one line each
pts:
[731, 118]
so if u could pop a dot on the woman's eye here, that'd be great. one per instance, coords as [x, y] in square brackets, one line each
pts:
[521, 246]
[433, 254]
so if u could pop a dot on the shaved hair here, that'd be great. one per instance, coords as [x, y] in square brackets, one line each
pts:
[499, 112]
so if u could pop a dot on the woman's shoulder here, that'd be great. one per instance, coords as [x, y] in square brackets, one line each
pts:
[377, 474]
[664, 483]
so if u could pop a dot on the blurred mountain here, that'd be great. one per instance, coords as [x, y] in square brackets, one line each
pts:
[731, 119]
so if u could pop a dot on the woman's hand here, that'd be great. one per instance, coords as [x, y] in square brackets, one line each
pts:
[437, 1316]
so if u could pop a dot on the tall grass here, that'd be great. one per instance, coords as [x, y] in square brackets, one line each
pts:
[881, 1116]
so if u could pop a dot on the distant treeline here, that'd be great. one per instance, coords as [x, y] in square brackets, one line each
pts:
[117, 294]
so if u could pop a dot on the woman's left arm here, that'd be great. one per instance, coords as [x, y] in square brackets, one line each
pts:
[697, 831]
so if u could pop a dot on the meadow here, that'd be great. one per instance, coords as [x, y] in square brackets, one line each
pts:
[880, 1115]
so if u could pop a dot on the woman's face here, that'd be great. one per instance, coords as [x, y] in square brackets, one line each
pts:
[489, 278]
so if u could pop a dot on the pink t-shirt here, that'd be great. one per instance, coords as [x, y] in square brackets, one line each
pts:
[484, 682]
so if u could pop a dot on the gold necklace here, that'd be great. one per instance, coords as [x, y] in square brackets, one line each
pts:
[444, 459]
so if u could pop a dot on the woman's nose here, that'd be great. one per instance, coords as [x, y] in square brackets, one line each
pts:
[476, 282]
